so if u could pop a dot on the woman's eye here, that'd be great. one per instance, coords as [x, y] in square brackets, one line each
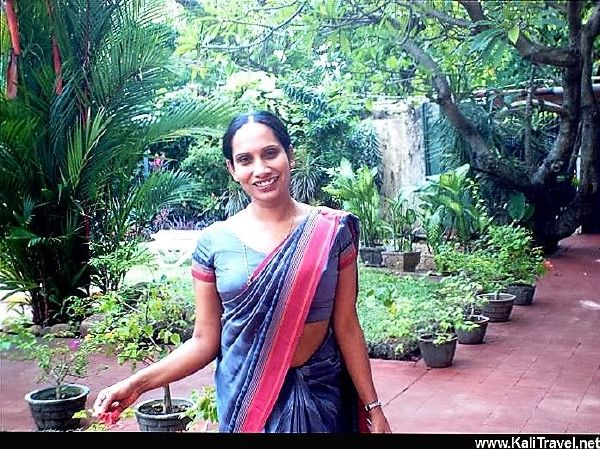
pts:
[243, 161]
[272, 153]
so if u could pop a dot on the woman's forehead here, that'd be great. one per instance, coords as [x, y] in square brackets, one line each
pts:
[253, 135]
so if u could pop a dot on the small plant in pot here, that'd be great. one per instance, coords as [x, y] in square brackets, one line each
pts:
[145, 331]
[472, 328]
[437, 317]
[400, 221]
[59, 360]
[497, 305]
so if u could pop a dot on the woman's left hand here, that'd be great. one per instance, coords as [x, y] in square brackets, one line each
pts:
[379, 423]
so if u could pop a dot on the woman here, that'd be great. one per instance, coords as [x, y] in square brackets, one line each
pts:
[275, 289]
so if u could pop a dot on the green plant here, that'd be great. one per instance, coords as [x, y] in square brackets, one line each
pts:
[146, 327]
[57, 360]
[111, 268]
[450, 203]
[400, 221]
[358, 194]
[513, 245]
[388, 308]
[204, 408]
[307, 176]
[89, 99]
[438, 315]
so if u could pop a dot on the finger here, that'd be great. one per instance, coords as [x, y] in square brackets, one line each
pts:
[101, 404]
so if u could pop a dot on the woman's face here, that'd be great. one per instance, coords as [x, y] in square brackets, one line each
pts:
[260, 163]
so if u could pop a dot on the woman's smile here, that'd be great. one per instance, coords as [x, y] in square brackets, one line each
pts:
[267, 184]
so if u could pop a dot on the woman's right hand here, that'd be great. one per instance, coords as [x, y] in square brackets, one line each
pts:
[117, 397]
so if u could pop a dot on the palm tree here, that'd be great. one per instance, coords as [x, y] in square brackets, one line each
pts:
[83, 88]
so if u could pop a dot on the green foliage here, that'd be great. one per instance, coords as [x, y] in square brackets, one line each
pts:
[70, 157]
[451, 205]
[111, 268]
[400, 221]
[204, 408]
[206, 163]
[358, 194]
[307, 175]
[146, 327]
[513, 246]
[504, 255]
[518, 208]
[387, 307]
[57, 361]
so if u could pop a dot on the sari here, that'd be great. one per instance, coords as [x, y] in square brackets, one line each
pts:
[257, 390]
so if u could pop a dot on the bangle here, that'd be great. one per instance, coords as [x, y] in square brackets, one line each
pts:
[370, 406]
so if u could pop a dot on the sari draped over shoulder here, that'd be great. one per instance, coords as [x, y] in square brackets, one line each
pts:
[256, 388]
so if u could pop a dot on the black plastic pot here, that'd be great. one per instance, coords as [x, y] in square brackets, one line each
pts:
[499, 306]
[475, 335]
[149, 420]
[523, 293]
[50, 413]
[437, 355]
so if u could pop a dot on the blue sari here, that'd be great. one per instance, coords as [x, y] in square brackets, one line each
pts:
[257, 389]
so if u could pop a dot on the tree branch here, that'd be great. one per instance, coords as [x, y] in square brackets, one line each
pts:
[264, 38]
[532, 51]
[556, 162]
[484, 158]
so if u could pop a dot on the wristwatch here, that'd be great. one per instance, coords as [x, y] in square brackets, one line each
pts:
[370, 406]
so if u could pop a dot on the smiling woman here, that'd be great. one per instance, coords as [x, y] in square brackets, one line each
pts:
[282, 324]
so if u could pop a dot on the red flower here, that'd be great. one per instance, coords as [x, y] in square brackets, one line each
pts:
[548, 265]
[110, 418]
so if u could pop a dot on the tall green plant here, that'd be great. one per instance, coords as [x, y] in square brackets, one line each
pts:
[400, 221]
[450, 202]
[358, 194]
[83, 109]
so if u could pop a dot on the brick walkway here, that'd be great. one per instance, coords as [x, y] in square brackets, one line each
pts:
[537, 373]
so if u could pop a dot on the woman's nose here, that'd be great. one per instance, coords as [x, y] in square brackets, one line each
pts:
[260, 167]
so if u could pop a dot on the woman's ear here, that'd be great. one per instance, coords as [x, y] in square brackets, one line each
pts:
[231, 170]
[290, 155]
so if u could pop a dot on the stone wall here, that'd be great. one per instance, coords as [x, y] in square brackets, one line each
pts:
[400, 130]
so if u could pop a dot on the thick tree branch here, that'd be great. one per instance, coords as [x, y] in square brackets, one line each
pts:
[556, 162]
[484, 158]
[592, 27]
[529, 50]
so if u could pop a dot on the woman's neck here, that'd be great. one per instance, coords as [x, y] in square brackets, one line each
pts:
[270, 213]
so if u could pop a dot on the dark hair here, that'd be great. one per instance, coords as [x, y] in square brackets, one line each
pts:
[264, 117]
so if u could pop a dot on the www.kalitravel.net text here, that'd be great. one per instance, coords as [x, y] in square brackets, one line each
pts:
[539, 442]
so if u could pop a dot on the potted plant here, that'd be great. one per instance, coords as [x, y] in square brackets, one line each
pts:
[400, 221]
[522, 262]
[488, 271]
[358, 194]
[471, 329]
[145, 330]
[59, 359]
[437, 318]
